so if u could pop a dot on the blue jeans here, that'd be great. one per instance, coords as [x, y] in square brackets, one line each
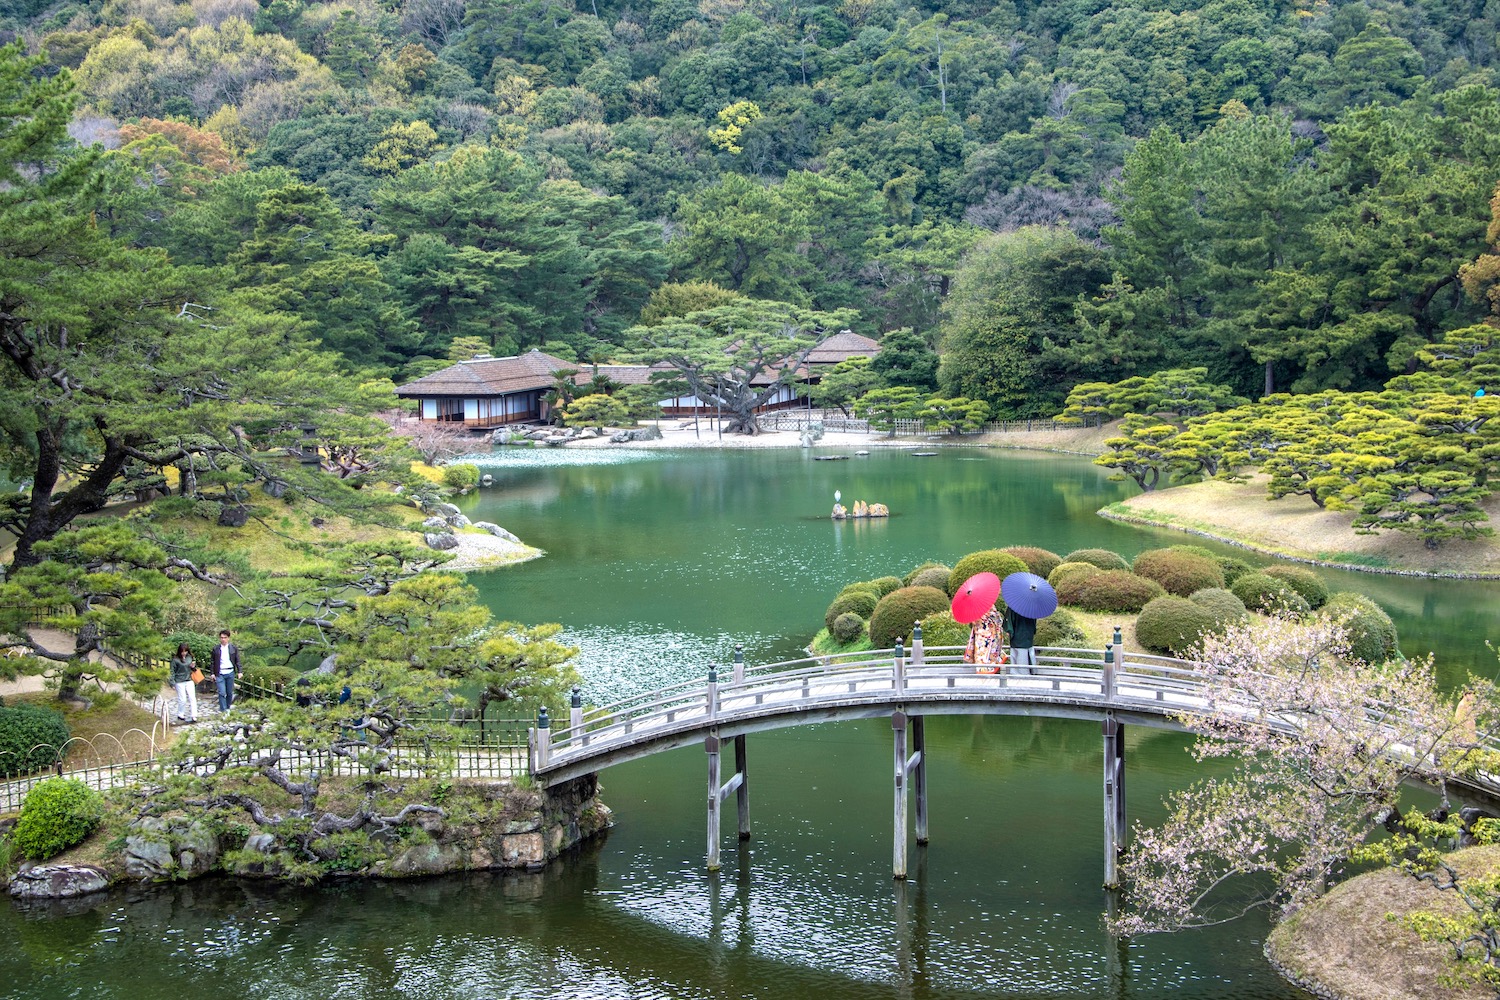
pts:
[225, 685]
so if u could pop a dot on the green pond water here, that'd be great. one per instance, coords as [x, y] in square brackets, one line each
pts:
[658, 563]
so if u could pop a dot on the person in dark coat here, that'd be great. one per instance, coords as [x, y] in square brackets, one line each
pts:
[1022, 641]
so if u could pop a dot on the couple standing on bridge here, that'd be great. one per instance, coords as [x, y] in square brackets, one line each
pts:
[1027, 598]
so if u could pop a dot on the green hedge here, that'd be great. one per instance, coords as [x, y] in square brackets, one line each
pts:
[1179, 572]
[1172, 625]
[1304, 581]
[1232, 568]
[1220, 603]
[910, 578]
[58, 813]
[31, 737]
[996, 561]
[1060, 628]
[1111, 590]
[899, 610]
[1268, 595]
[1103, 558]
[939, 629]
[859, 602]
[886, 584]
[935, 576]
[1372, 634]
[1039, 561]
[1069, 571]
[847, 627]
[461, 476]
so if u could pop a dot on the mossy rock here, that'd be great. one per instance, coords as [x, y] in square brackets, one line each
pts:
[899, 610]
[1180, 573]
[1039, 561]
[1103, 558]
[996, 561]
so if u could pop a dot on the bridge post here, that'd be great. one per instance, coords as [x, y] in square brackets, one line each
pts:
[1119, 646]
[898, 672]
[711, 744]
[541, 739]
[1107, 686]
[898, 858]
[739, 663]
[919, 773]
[575, 716]
[713, 691]
[1114, 797]
[916, 645]
[742, 793]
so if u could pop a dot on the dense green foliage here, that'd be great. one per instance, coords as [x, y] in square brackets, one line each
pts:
[31, 738]
[1039, 561]
[1269, 595]
[1070, 571]
[57, 814]
[1109, 590]
[996, 561]
[1178, 572]
[899, 610]
[1372, 634]
[847, 627]
[939, 629]
[1103, 558]
[1172, 625]
[1060, 629]
[1222, 604]
[1304, 581]
[858, 602]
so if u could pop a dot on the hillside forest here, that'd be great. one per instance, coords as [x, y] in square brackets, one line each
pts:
[1017, 198]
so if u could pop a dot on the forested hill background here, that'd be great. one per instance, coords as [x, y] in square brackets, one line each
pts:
[1046, 193]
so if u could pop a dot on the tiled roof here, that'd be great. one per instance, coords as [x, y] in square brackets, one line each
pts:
[490, 376]
[842, 346]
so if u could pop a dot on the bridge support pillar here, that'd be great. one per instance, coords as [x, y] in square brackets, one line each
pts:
[1114, 798]
[717, 793]
[914, 765]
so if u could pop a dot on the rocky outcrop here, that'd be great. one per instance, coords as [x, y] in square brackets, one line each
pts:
[58, 882]
[650, 432]
[441, 541]
[176, 848]
[496, 530]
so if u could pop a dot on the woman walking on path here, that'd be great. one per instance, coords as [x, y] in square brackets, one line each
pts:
[183, 669]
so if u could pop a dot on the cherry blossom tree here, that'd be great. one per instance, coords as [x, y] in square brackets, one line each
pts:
[1322, 747]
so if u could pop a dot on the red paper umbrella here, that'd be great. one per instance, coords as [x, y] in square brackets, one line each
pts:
[975, 597]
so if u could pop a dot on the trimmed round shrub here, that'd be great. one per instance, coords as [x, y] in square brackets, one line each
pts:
[939, 629]
[57, 814]
[860, 602]
[461, 476]
[1178, 572]
[1039, 561]
[1172, 624]
[1060, 628]
[1194, 550]
[1268, 595]
[1220, 603]
[1232, 568]
[31, 737]
[886, 584]
[1070, 571]
[864, 585]
[1372, 634]
[1111, 590]
[1103, 558]
[272, 676]
[847, 627]
[910, 578]
[1304, 581]
[996, 561]
[899, 610]
[934, 576]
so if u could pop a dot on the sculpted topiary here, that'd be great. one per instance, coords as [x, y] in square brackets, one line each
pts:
[899, 610]
[939, 629]
[1232, 568]
[1304, 581]
[1060, 629]
[848, 627]
[1268, 595]
[1179, 572]
[911, 577]
[996, 561]
[1070, 571]
[936, 576]
[1220, 603]
[886, 584]
[1172, 625]
[860, 602]
[1039, 561]
[1111, 590]
[1371, 633]
[1103, 558]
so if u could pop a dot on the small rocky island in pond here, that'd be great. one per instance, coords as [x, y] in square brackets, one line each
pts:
[861, 509]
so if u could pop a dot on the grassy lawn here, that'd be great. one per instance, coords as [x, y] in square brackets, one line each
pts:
[1292, 526]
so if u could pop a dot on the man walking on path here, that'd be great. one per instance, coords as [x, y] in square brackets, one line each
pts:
[226, 669]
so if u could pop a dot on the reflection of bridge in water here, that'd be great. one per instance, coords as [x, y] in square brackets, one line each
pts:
[1067, 683]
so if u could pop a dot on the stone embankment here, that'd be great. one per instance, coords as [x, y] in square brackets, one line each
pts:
[482, 826]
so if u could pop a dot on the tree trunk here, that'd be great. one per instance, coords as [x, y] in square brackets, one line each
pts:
[1270, 380]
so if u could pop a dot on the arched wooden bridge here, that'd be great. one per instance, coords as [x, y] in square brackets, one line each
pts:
[1135, 689]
